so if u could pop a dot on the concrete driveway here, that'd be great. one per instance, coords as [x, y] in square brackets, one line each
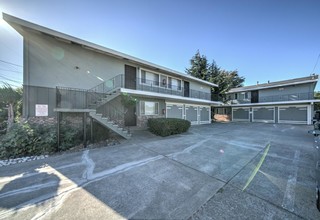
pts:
[217, 171]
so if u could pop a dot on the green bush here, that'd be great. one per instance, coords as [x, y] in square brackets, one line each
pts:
[34, 139]
[168, 126]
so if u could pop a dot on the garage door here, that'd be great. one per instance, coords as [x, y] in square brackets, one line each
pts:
[205, 114]
[263, 114]
[293, 114]
[192, 114]
[240, 114]
[174, 111]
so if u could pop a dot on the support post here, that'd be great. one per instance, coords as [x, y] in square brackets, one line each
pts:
[58, 130]
[91, 130]
[85, 129]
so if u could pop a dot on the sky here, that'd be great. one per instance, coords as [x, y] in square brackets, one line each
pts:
[261, 39]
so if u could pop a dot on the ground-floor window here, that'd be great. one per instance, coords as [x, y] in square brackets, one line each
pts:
[149, 108]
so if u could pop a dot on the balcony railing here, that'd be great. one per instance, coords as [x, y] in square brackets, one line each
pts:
[278, 98]
[287, 97]
[167, 88]
[74, 98]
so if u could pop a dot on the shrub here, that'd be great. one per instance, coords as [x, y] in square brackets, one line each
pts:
[24, 140]
[168, 126]
[34, 139]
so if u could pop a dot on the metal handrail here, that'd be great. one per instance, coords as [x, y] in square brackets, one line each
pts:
[97, 92]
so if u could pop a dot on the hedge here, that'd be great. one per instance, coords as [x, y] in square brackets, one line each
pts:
[168, 126]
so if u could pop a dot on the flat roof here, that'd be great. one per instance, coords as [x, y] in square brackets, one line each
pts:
[296, 81]
[19, 25]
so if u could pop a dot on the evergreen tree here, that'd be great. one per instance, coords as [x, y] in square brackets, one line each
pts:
[199, 66]
[225, 80]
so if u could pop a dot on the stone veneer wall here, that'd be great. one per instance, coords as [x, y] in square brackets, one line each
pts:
[41, 120]
[142, 121]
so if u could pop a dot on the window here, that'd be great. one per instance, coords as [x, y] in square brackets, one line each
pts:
[143, 76]
[236, 96]
[245, 95]
[174, 84]
[149, 108]
[149, 78]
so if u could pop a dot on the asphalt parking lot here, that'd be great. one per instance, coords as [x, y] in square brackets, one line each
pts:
[217, 171]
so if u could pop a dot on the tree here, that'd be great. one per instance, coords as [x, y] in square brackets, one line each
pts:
[211, 72]
[199, 66]
[10, 97]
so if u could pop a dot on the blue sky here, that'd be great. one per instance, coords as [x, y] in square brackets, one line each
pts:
[262, 39]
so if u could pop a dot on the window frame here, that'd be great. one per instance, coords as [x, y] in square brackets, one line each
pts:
[143, 106]
[168, 84]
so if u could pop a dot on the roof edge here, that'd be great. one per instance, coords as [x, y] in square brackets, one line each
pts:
[12, 19]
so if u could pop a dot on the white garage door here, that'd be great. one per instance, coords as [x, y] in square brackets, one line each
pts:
[293, 114]
[240, 114]
[263, 114]
[174, 110]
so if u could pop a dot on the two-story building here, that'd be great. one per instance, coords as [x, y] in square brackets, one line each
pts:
[288, 101]
[62, 73]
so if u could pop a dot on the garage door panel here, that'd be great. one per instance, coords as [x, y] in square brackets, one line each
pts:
[192, 114]
[240, 114]
[204, 115]
[293, 114]
[174, 111]
[263, 114]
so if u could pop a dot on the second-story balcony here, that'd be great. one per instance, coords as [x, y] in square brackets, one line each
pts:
[276, 98]
[82, 98]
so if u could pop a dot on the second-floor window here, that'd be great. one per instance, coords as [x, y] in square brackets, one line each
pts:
[174, 84]
[236, 96]
[149, 78]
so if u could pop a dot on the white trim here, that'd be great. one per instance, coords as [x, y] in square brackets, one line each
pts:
[275, 103]
[261, 120]
[242, 89]
[309, 115]
[168, 96]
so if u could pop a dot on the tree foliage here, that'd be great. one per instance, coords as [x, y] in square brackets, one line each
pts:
[10, 99]
[226, 80]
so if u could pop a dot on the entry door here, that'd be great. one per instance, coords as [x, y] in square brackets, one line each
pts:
[130, 77]
[130, 118]
[186, 89]
[255, 96]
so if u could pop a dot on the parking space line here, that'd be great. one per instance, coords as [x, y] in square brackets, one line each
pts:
[289, 195]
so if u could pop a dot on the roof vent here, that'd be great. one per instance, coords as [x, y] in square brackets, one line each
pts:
[257, 82]
[268, 81]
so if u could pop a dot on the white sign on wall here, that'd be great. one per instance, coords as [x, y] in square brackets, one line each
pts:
[41, 110]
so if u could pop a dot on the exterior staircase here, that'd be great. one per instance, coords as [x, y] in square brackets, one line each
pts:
[112, 125]
[104, 98]
[103, 112]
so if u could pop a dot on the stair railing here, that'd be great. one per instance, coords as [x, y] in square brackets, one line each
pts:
[98, 92]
